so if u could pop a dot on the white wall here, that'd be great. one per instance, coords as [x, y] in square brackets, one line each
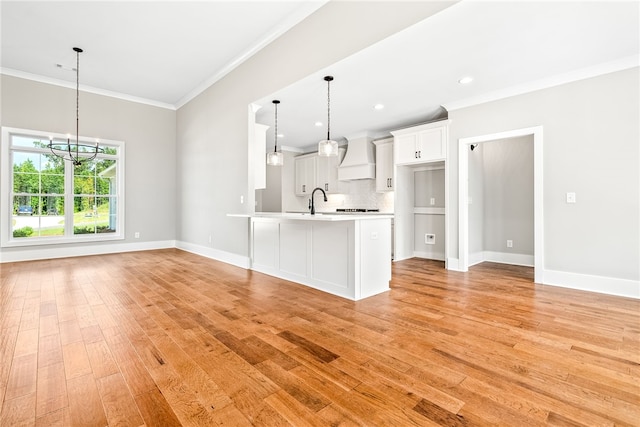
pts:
[150, 170]
[591, 133]
[212, 128]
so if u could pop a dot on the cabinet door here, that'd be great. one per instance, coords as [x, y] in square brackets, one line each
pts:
[327, 173]
[432, 144]
[305, 170]
[407, 148]
[384, 167]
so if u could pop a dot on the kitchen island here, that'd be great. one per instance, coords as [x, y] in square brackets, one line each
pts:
[344, 255]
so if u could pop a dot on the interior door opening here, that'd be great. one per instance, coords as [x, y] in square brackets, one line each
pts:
[501, 245]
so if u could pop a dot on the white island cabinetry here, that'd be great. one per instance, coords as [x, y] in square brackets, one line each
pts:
[343, 255]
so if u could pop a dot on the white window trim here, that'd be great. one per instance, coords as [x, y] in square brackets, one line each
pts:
[6, 169]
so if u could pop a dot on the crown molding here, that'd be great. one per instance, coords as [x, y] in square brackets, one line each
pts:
[84, 88]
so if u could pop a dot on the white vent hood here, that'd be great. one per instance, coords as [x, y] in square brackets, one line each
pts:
[360, 160]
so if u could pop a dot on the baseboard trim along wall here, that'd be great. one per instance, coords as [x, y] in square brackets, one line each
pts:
[44, 252]
[585, 282]
[502, 258]
[216, 254]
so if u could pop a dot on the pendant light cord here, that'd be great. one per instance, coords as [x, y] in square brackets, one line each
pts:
[328, 107]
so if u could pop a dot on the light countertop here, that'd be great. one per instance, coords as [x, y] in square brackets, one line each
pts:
[316, 217]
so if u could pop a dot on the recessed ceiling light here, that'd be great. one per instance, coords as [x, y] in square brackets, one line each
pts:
[378, 106]
[465, 80]
[318, 124]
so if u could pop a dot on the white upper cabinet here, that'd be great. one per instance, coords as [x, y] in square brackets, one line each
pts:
[384, 165]
[327, 172]
[305, 174]
[317, 171]
[421, 144]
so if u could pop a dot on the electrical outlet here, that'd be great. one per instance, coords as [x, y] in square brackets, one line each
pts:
[209, 238]
[136, 235]
[430, 239]
[374, 235]
[432, 201]
[509, 243]
[571, 197]
[241, 199]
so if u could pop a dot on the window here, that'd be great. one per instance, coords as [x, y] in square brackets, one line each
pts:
[49, 200]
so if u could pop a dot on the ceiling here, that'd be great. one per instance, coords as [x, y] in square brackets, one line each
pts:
[165, 53]
[157, 52]
[507, 47]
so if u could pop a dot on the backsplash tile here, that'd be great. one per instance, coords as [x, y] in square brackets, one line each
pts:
[362, 194]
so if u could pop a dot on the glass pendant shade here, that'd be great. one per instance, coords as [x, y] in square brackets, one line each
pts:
[327, 148]
[275, 158]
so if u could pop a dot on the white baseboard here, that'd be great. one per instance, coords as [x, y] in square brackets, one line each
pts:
[501, 258]
[585, 282]
[429, 255]
[228, 257]
[48, 252]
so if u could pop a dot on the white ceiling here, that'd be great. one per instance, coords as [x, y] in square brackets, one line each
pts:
[508, 47]
[159, 52]
[164, 53]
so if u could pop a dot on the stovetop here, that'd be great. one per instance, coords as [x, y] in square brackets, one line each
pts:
[356, 210]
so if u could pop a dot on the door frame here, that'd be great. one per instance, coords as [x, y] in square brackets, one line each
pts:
[538, 195]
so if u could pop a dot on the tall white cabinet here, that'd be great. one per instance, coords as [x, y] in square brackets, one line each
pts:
[421, 191]
[384, 165]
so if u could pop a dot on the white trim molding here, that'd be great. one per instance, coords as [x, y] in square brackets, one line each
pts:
[600, 284]
[501, 258]
[47, 252]
[216, 254]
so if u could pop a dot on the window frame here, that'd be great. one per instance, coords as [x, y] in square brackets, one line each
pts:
[6, 190]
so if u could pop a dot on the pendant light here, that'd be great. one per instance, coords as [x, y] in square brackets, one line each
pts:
[328, 147]
[275, 158]
[76, 152]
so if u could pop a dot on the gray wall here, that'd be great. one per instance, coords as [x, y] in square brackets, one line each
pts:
[508, 193]
[501, 190]
[148, 133]
[212, 128]
[591, 134]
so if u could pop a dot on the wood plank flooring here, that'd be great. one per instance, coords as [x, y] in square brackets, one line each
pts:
[168, 338]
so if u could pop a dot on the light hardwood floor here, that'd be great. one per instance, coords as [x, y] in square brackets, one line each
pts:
[166, 338]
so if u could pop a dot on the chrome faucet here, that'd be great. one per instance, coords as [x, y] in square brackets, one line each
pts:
[313, 207]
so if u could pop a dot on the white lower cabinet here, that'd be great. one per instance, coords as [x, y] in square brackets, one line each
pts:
[341, 256]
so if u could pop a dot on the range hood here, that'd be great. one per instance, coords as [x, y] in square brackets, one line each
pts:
[360, 160]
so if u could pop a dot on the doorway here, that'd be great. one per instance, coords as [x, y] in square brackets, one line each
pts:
[464, 150]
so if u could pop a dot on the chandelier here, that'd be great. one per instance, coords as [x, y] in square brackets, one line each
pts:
[75, 152]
